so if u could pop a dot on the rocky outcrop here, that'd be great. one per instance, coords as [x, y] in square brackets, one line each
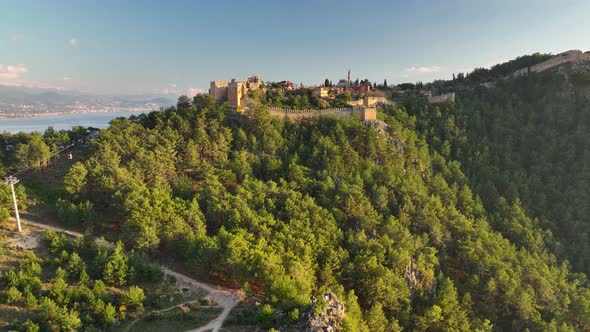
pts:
[415, 280]
[329, 318]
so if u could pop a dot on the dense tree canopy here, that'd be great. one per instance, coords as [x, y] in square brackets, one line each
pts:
[382, 215]
[461, 216]
[523, 145]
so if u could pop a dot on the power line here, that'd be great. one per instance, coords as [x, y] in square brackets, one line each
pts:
[11, 180]
[48, 158]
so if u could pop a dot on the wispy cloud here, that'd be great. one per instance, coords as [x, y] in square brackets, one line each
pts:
[73, 41]
[67, 78]
[191, 92]
[422, 70]
[173, 89]
[12, 71]
[31, 84]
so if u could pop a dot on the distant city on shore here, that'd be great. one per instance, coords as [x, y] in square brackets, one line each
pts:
[20, 102]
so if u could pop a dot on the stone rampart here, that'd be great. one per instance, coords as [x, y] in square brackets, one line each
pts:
[565, 57]
[442, 98]
[362, 113]
[371, 101]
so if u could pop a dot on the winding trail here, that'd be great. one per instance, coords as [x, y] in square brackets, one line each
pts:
[224, 297]
[164, 310]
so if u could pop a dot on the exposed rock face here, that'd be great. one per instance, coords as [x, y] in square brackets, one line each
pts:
[415, 280]
[329, 319]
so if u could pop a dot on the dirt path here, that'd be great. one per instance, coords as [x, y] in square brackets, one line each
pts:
[164, 310]
[223, 297]
[99, 241]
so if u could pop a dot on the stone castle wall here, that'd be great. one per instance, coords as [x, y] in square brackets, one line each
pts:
[370, 101]
[218, 90]
[356, 103]
[234, 94]
[569, 56]
[234, 90]
[362, 113]
[442, 98]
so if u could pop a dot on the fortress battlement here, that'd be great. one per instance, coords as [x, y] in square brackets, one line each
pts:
[362, 113]
[565, 57]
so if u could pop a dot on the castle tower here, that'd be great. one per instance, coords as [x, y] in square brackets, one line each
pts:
[348, 76]
[234, 93]
[218, 90]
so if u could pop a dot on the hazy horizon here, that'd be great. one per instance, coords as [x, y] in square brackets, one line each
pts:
[177, 48]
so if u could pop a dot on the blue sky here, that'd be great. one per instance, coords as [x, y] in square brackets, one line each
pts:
[179, 46]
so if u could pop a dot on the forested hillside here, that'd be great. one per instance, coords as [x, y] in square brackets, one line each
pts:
[382, 218]
[57, 284]
[524, 141]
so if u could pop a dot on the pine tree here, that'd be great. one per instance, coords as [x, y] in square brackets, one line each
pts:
[109, 314]
[116, 269]
[376, 319]
[134, 297]
[99, 290]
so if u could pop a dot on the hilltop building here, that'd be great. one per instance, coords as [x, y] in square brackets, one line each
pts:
[344, 83]
[336, 90]
[321, 91]
[426, 93]
[234, 90]
[360, 90]
[235, 93]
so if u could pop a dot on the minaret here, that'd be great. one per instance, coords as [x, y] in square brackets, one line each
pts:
[348, 76]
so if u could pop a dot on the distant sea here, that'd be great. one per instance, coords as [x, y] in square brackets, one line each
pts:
[63, 121]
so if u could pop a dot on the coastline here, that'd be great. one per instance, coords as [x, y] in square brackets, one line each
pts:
[5, 116]
[62, 121]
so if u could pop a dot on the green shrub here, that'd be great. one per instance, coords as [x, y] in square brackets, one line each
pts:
[4, 214]
[109, 314]
[76, 214]
[30, 326]
[134, 297]
[99, 290]
[12, 295]
[30, 300]
[145, 270]
[30, 265]
[55, 242]
[266, 316]
[294, 314]
[58, 317]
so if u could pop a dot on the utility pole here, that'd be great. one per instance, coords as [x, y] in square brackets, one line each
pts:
[11, 180]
